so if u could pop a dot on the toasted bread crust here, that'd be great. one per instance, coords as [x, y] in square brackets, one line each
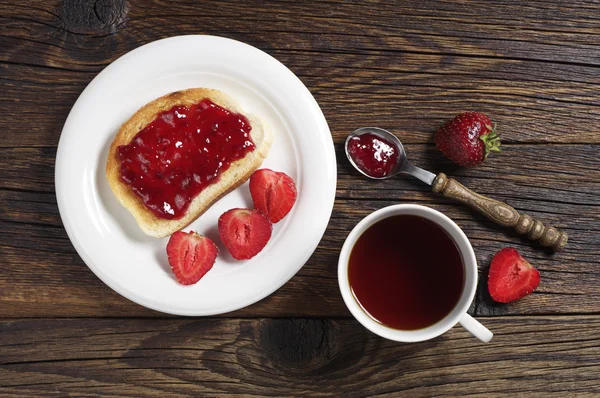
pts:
[237, 173]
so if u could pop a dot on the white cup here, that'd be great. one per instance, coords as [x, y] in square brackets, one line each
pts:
[458, 313]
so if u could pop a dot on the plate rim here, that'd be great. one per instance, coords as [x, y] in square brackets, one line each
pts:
[116, 285]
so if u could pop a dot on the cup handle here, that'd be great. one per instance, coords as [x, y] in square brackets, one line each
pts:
[475, 328]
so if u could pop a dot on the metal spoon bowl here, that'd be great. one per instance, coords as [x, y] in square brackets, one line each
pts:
[402, 164]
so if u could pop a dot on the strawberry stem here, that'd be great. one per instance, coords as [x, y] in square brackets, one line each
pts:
[491, 141]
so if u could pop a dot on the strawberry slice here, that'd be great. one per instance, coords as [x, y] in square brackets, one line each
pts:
[244, 232]
[273, 193]
[511, 277]
[191, 256]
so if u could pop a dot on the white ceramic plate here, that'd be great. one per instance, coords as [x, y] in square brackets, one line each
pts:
[106, 236]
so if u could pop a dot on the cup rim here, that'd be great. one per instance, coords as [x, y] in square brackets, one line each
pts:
[469, 263]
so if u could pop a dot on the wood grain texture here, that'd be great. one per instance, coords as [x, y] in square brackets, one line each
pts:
[32, 234]
[294, 357]
[405, 66]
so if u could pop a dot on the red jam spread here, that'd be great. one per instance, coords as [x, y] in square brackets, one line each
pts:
[374, 155]
[181, 152]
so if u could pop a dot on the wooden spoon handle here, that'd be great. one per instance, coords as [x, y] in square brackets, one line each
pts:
[500, 212]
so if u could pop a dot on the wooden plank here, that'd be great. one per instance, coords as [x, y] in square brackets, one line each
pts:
[405, 66]
[556, 183]
[511, 30]
[29, 169]
[406, 70]
[414, 98]
[547, 355]
[552, 170]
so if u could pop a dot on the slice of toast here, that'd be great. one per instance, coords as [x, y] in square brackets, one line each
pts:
[237, 173]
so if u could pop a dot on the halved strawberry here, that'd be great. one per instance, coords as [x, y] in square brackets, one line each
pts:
[511, 277]
[244, 232]
[191, 256]
[273, 193]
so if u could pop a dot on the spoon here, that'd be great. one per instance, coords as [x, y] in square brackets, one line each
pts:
[499, 212]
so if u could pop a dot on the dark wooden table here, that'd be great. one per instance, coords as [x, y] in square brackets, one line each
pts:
[534, 66]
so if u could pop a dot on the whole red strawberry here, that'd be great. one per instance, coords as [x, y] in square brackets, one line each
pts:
[467, 139]
[511, 277]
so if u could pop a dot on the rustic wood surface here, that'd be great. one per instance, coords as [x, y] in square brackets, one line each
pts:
[300, 357]
[406, 66]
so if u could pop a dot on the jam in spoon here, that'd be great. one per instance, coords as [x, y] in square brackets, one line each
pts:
[379, 154]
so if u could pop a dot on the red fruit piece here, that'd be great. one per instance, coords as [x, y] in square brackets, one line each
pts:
[244, 232]
[511, 277]
[191, 256]
[273, 193]
[467, 139]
